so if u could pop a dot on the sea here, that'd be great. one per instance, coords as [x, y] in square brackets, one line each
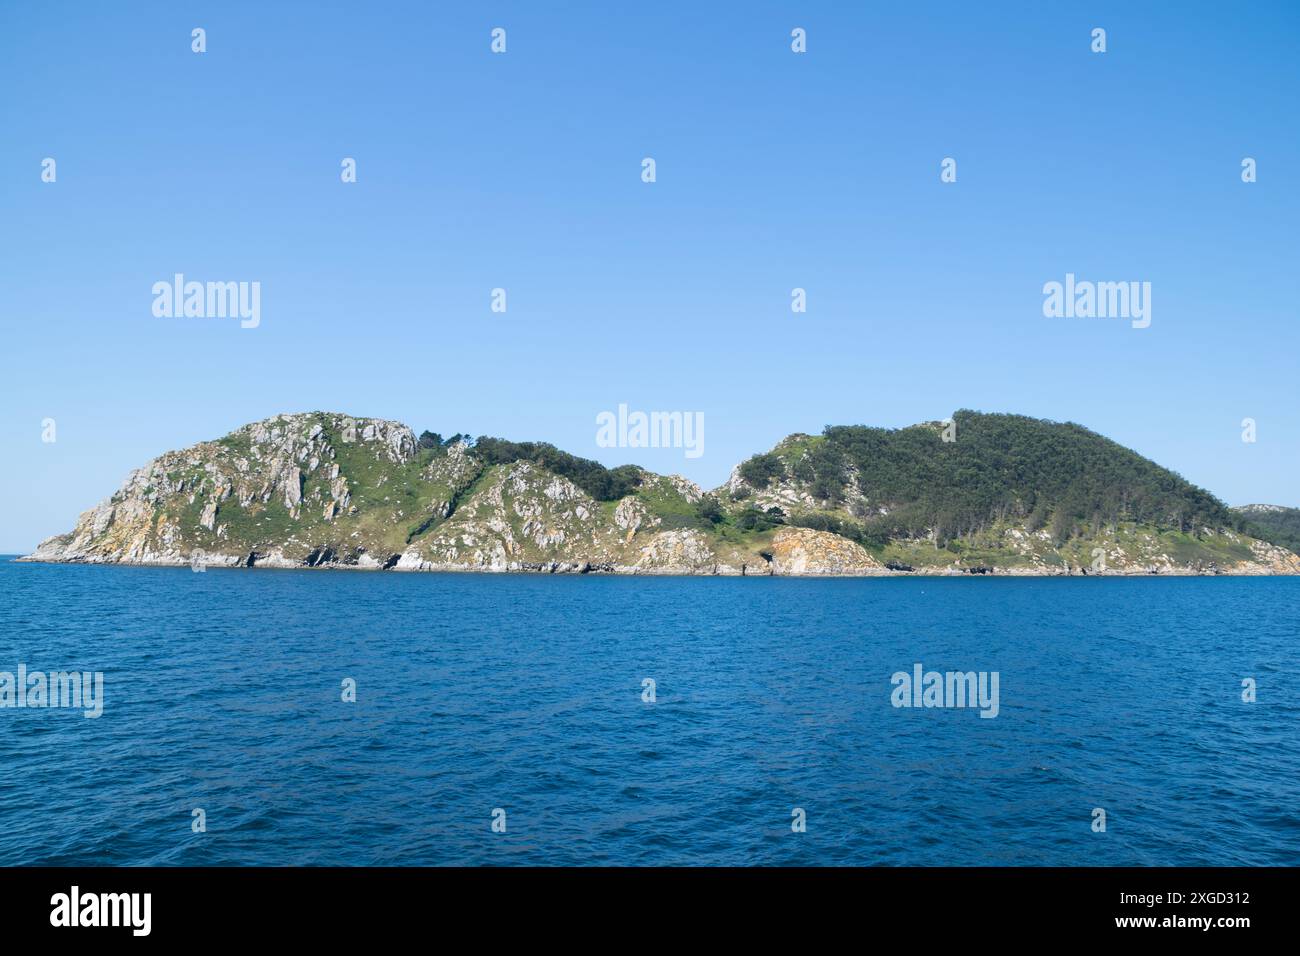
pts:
[335, 718]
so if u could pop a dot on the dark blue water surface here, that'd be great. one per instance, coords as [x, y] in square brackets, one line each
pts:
[223, 692]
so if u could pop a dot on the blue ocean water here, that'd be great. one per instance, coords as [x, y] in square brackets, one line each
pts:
[223, 692]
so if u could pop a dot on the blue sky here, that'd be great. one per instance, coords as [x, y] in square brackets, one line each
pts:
[522, 171]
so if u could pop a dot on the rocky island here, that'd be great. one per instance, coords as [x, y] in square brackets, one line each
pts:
[976, 494]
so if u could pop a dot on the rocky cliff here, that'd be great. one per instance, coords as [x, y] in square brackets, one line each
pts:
[327, 490]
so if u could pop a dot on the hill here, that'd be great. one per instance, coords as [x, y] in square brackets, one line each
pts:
[980, 494]
[1275, 523]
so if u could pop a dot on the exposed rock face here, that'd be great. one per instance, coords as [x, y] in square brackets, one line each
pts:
[325, 490]
[260, 475]
[689, 490]
[1270, 559]
[521, 517]
[804, 551]
[1262, 509]
[787, 495]
[631, 516]
[676, 552]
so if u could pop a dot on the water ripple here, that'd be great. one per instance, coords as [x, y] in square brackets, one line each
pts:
[223, 692]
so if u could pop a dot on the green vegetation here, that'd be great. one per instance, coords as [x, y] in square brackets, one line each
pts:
[1189, 549]
[432, 441]
[1279, 526]
[663, 500]
[761, 469]
[751, 518]
[873, 538]
[709, 510]
[603, 484]
[1009, 493]
[999, 467]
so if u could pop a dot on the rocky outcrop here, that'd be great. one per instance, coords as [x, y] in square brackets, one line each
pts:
[326, 490]
[675, 552]
[1269, 559]
[521, 516]
[804, 551]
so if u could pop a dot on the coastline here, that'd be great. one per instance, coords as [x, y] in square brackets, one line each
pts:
[581, 569]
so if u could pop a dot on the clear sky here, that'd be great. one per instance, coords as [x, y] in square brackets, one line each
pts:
[522, 170]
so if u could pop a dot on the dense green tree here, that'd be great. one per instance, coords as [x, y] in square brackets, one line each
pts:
[1280, 526]
[603, 484]
[1007, 467]
[709, 510]
[751, 519]
[761, 469]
